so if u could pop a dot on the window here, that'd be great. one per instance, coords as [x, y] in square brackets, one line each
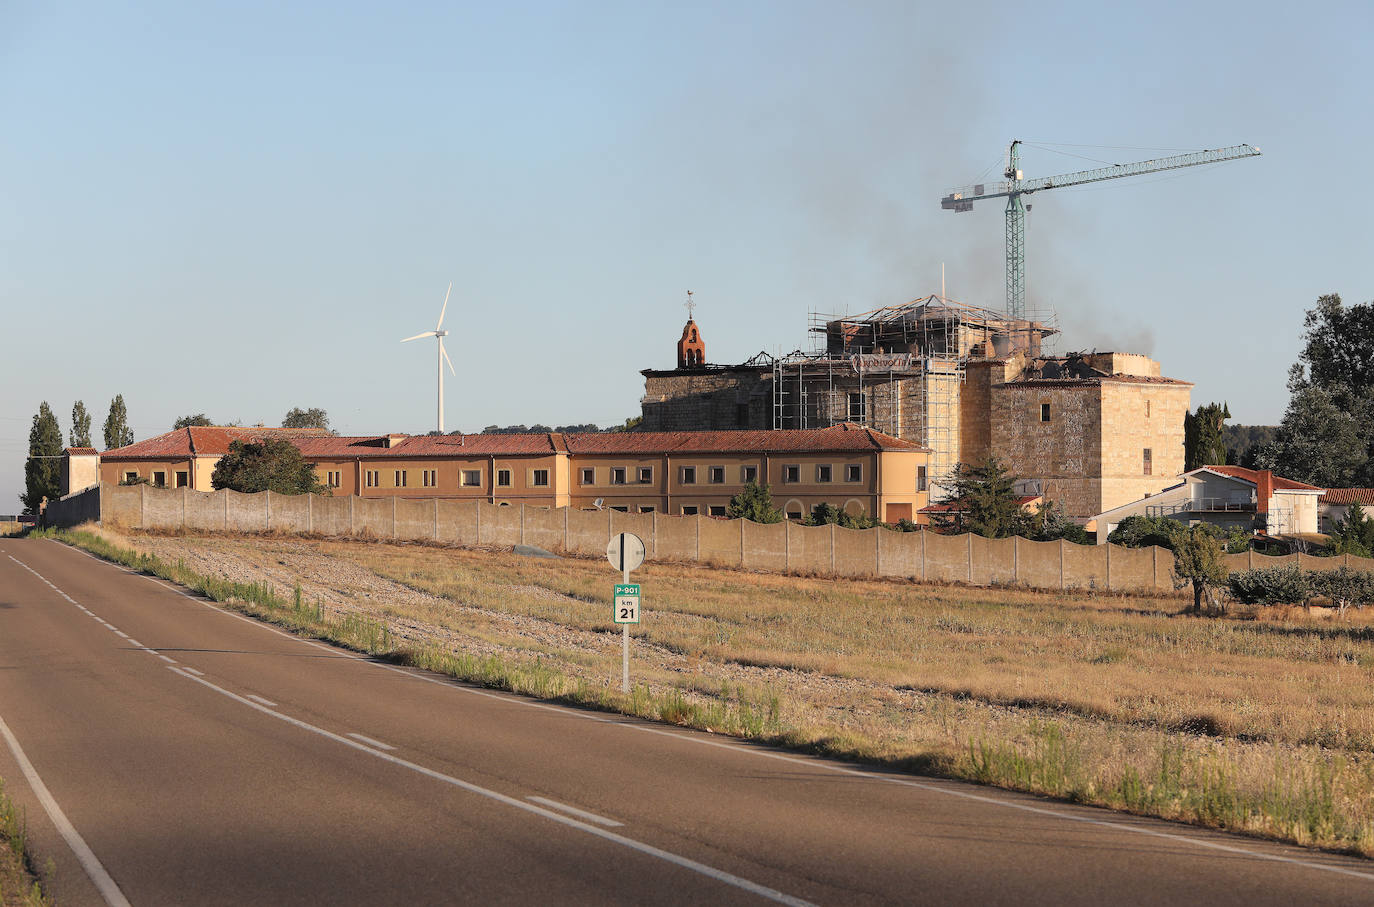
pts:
[921, 484]
[333, 478]
[159, 478]
[503, 478]
[853, 472]
[646, 474]
[131, 476]
[1149, 464]
[402, 477]
[183, 479]
[589, 476]
[791, 473]
[430, 477]
[741, 415]
[617, 475]
[646, 509]
[1147, 409]
[473, 477]
[1044, 412]
[540, 478]
[749, 473]
[823, 473]
[689, 510]
[794, 515]
[857, 410]
[717, 510]
[688, 475]
[621, 509]
[717, 475]
[373, 478]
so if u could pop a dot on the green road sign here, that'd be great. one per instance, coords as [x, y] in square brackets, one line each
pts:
[626, 609]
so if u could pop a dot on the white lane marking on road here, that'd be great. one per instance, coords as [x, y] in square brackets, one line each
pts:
[192, 671]
[580, 813]
[84, 855]
[370, 742]
[166, 659]
[261, 701]
[647, 849]
[138, 645]
[624, 721]
[120, 633]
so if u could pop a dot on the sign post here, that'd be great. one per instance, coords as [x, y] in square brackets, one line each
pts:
[625, 552]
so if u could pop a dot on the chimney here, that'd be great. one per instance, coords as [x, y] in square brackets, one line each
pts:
[1264, 490]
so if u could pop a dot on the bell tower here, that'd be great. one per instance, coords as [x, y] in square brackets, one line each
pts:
[691, 351]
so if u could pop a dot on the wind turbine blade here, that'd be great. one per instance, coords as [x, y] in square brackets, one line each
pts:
[446, 359]
[418, 336]
[440, 325]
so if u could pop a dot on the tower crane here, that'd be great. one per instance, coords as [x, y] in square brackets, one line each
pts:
[1016, 185]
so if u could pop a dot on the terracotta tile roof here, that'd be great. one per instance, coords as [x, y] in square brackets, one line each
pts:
[374, 446]
[844, 437]
[1256, 477]
[202, 440]
[80, 451]
[1361, 496]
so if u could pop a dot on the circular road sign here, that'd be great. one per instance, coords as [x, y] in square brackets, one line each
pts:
[625, 551]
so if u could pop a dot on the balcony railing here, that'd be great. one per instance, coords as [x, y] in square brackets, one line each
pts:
[1201, 505]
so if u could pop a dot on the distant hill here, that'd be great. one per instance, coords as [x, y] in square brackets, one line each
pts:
[1243, 440]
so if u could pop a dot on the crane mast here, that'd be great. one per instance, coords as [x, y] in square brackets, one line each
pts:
[1016, 186]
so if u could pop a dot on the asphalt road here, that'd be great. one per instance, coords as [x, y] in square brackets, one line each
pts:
[169, 752]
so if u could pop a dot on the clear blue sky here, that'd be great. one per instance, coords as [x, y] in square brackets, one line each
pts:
[236, 208]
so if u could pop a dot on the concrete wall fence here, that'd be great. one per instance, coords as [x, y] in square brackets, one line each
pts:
[779, 547]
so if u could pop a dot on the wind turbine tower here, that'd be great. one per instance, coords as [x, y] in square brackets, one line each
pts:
[439, 334]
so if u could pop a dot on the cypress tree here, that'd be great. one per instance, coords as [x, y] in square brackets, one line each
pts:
[43, 469]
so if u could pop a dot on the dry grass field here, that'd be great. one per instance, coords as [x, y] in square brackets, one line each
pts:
[1256, 722]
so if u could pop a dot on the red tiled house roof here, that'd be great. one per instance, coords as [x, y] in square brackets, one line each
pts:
[1339, 496]
[202, 440]
[1256, 477]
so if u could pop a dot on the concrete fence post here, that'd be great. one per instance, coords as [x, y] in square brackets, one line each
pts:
[267, 507]
[477, 528]
[1250, 559]
[351, 499]
[435, 502]
[787, 545]
[142, 499]
[697, 556]
[968, 537]
[565, 527]
[184, 492]
[877, 550]
[1016, 560]
[1109, 567]
[393, 516]
[310, 514]
[1063, 581]
[522, 522]
[923, 554]
[1154, 567]
[832, 548]
[224, 517]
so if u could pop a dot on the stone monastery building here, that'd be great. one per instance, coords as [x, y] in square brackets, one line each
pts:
[1091, 431]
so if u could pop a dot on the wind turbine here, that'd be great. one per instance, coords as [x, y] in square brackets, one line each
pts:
[439, 334]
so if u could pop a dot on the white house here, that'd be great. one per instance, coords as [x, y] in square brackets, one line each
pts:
[1252, 500]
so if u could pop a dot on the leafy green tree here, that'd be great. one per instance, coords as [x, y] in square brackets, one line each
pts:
[1327, 434]
[43, 469]
[117, 430]
[199, 419]
[984, 501]
[586, 428]
[1198, 560]
[271, 465]
[755, 503]
[1243, 441]
[81, 426]
[305, 418]
[1049, 523]
[1144, 531]
[631, 423]
[1203, 441]
[1322, 440]
[1286, 585]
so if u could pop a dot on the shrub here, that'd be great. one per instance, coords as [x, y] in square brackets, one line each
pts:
[1287, 585]
[1345, 587]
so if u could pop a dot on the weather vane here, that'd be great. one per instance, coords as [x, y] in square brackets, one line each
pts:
[691, 305]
